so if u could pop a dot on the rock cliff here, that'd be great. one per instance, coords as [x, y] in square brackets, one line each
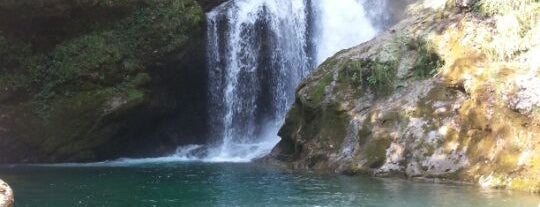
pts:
[451, 92]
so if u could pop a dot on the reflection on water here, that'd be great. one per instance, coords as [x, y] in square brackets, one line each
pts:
[204, 184]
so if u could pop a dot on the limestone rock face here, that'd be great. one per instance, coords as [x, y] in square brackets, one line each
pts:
[6, 195]
[429, 98]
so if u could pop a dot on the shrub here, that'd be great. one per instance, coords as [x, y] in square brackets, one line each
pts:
[428, 62]
[379, 76]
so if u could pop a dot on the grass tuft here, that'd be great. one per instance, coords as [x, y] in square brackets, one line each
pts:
[515, 23]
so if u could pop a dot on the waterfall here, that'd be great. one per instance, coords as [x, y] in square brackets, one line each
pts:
[258, 53]
[342, 24]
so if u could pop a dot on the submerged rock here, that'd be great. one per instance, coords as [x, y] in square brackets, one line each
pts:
[440, 95]
[6, 195]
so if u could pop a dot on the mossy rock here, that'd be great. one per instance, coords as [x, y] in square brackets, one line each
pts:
[71, 95]
[376, 152]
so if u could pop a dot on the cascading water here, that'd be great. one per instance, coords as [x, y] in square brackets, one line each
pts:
[342, 24]
[258, 53]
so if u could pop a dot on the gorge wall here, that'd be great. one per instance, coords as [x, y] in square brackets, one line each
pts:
[450, 92]
[96, 80]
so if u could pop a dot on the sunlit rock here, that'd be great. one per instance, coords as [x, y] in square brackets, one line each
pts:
[447, 93]
[6, 195]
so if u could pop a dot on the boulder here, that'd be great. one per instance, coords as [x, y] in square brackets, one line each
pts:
[6, 195]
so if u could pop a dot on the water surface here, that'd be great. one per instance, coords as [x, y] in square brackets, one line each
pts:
[232, 184]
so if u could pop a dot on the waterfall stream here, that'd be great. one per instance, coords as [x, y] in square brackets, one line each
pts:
[258, 53]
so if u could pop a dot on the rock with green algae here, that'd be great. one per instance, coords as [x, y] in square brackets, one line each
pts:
[6, 195]
[93, 80]
[434, 97]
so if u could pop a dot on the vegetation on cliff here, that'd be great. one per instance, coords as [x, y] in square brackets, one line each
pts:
[76, 75]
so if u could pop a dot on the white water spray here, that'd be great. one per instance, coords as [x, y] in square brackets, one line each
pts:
[340, 24]
[258, 54]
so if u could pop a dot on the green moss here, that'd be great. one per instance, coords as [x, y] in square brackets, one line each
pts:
[89, 58]
[71, 94]
[150, 32]
[424, 107]
[333, 126]
[354, 170]
[528, 184]
[69, 117]
[318, 93]
[355, 75]
[71, 120]
[428, 62]
[352, 73]
[108, 57]
[508, 161]
[376, 152]
[430, 150]
[364, 134]
[527, 8]
[350, 78]
[141, 79]
[379, 76]
[109, 51]
[135, 96]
